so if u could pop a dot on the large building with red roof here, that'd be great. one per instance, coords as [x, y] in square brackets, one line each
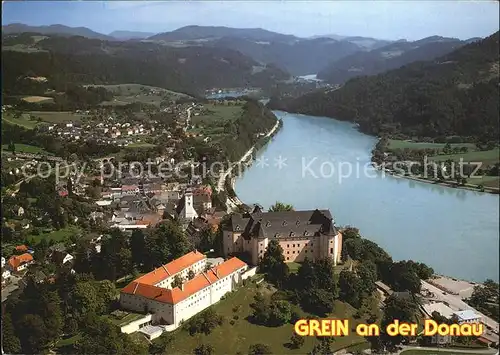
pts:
[153, 292]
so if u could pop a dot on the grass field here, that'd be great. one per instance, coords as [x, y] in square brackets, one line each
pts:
[401, 144]
[130, 93]
[487, 181]
[141, 145]
[38, 99]
[56, 236]
[22, 121]
[56, 117]
[486, 156]
[217, 114]
[230, 339]
[25, 148]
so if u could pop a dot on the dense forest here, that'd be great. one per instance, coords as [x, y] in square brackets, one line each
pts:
[392, 56]
[80, 60]
[456, 94]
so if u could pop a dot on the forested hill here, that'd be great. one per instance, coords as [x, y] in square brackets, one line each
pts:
[457, 94]
[388, 57]
[81, 60]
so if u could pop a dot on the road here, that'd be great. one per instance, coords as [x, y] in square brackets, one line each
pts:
[222, 178]
[450, 350]
[456, 303]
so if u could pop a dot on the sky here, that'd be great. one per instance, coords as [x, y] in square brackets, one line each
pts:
[380, 19]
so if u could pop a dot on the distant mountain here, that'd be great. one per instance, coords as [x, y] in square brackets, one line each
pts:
[367, 43]
[206, 32]
[455, 94]
[54, 29]
[126, 35]
[81, 60]
[299, 56]
[391, 56]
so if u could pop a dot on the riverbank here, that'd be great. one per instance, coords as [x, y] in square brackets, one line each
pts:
[232, 203]
[454, 185]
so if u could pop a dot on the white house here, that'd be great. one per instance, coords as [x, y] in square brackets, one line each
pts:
[154, 292]
[67, 258]
[3, 261]
[467, 316]
[5, 276]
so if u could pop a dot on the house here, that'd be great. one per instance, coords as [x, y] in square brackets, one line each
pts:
[172, 305]
[467, 316]
[302, 234]
[3, 262]
[20, 211]
[61, 257]
[129, 189]
[202, 203]
[39, 277]
[21, 248]
[5, 276]
[18, 263]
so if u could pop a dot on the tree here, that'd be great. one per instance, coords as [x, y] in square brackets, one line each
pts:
[280, 207]
[204, 350]
[259, 349]
[280, 313]
[10, 342]
[34, 335]
[349, 288]
[191, 275]
[296, 341]
[204, 322]
[178, 281]
[164, 243]
[367, 273]
[273, 264]
[12, 147]
[100, 336]
[398, 308]
[138, 246]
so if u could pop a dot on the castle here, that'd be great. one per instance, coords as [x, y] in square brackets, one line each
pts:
[302, 234]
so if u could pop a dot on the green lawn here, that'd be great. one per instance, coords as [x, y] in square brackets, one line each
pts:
[130, 93]
[488, 181]
[486, 156]
[60, 235]
[22, 121]
[56, 116]
[141, 145]
[25, 148]
[127, 318]
[217, 113]
[230, 339]
[401, 144]
[293, 267]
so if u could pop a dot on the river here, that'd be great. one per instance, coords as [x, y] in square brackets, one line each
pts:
[455, 231]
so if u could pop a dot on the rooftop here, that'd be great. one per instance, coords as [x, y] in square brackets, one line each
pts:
[189, 288]
[171, 268]
[284, 224]
[468, 314]
[17, 260]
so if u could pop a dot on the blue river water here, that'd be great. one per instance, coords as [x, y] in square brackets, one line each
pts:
[307, 165]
